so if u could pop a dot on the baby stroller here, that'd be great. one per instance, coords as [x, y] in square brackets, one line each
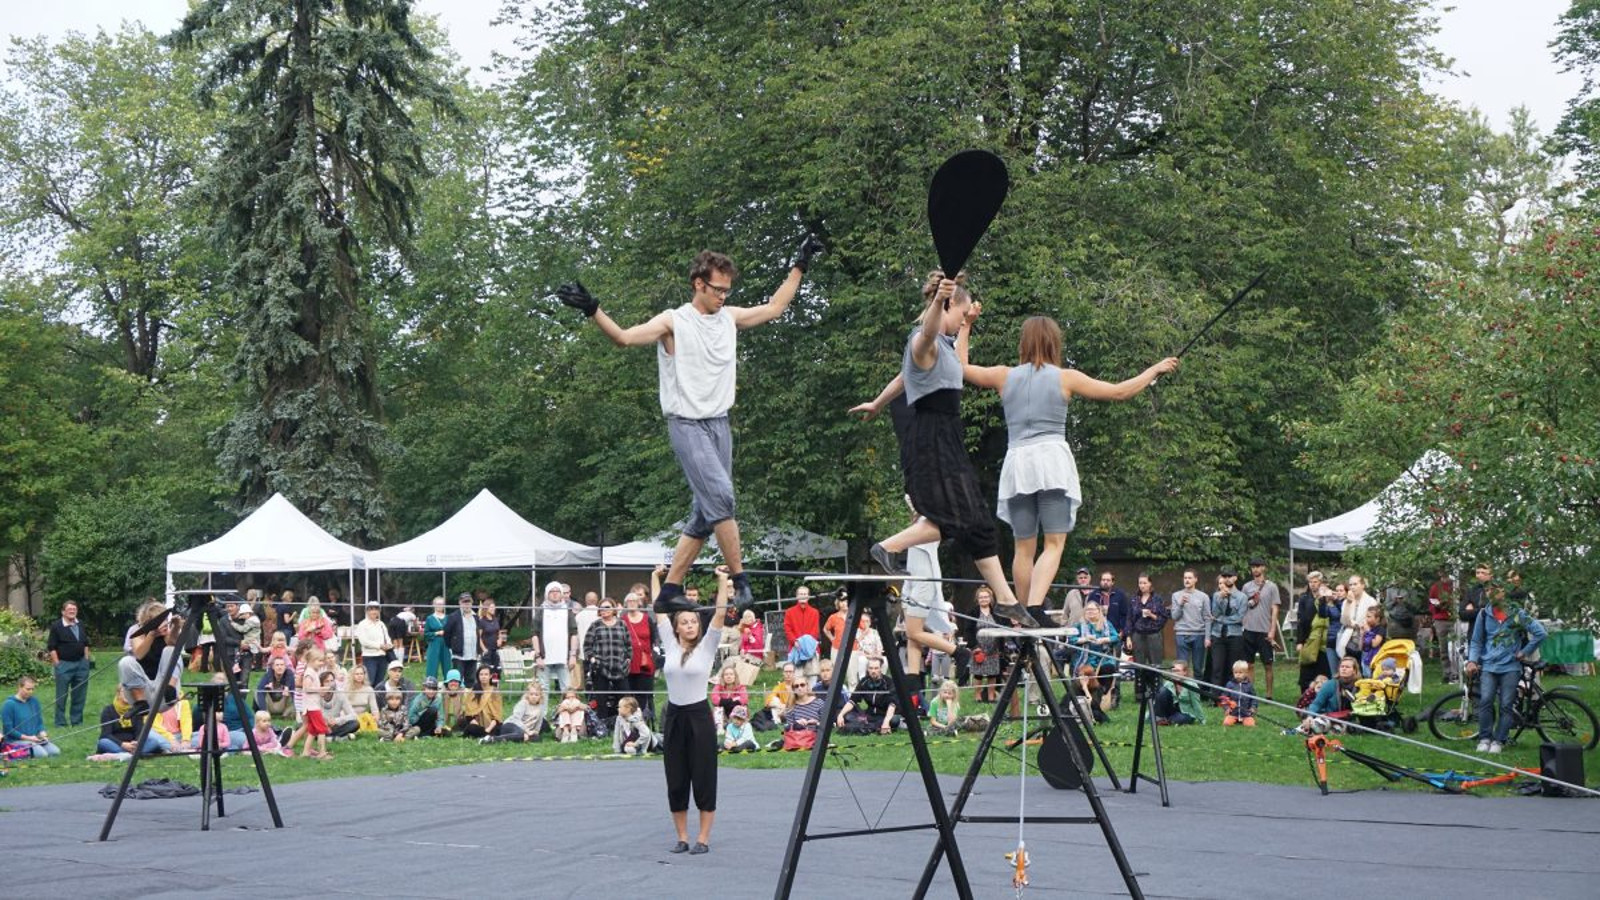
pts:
[1396, 671]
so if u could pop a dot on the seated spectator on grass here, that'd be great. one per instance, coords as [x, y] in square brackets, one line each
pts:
[1087, 686]
[267, 736]
[392, 719]
[571, 714]
[781, 696]
[872, 702]
[482, 709]
[727, 694]
[24, 721]
[527, 717]
[120, 724]
[806, 713]
[825, 681]
[453, 698]
[1096, 635]
[426, 712]
[343, 723]
[278, 649]
[363, 699]
[630, 734]
[175, 724]
[944, 713]
[1178, 700]
[396, 682]
[738, 736]
[1240, 697]
[1333, 699]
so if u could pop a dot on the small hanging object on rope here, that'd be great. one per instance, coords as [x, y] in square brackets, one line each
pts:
[1019, 878]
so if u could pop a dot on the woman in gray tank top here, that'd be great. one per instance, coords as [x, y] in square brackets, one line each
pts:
[940, 481]
[1039, 487]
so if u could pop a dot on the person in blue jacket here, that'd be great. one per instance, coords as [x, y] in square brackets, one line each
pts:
[1504, 636]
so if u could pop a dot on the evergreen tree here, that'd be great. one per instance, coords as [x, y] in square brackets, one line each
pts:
[318, 166]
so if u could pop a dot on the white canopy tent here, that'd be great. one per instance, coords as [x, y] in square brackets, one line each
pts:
[277, 537]
[1350, 529]
[484, 534]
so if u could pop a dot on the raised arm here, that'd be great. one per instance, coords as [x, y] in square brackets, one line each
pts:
[869, 410]
[982, 376]
[1075, 382]
[575, 295]
[922, 345]
[778, 303]
[724, 591]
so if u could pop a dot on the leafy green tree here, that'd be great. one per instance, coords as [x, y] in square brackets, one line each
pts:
[1499, 376]
[1577, 49]
[108, 552]
[318, 167]
[100, 143]
[1161, 154]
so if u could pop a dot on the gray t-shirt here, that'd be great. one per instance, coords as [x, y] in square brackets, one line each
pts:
[1260, 601]
[945, 373]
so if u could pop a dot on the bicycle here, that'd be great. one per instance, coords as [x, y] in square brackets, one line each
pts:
[1556, 714]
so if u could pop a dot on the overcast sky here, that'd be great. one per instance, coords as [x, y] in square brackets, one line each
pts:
[1501, 46]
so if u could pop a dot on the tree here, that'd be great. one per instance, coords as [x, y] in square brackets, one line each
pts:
[318, 168]
[1577, 49]
[1161, 154]
[99, 148]
[1498, 375]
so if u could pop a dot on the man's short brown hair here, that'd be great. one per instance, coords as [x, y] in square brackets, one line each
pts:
[708, 261]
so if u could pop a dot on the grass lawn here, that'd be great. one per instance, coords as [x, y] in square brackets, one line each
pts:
[1193, 753]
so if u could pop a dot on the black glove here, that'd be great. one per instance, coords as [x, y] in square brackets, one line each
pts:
[577, 296]
[809, 247]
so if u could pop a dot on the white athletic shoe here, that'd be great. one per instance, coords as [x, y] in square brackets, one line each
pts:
[1495, 747]
[1483, 746]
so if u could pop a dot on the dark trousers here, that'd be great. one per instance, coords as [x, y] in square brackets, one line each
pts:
[72, 688]
[642, 686]
[604, 690]
[376, 667]
[343, 728]
[1225, 651]
[468, 669]
[689, 742]
[512, 732]
[427, 722]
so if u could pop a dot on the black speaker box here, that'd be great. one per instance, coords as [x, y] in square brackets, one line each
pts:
[1563, 762]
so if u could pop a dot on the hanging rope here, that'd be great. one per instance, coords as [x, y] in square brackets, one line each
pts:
[1019, 878]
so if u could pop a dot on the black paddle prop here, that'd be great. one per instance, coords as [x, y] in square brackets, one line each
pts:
[963, 198]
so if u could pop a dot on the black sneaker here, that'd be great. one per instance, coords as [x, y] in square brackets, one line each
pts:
[891, 563]
[742, 597]
[1018, 614]
[671, 600]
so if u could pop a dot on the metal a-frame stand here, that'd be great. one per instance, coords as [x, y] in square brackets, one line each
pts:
[200, 603]
[1029, 661]
[870, 597]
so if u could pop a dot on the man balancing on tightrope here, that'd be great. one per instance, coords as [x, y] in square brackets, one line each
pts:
[697, 360]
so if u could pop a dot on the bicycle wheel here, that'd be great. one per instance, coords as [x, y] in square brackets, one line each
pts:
[1452, 717]
[1566, 719]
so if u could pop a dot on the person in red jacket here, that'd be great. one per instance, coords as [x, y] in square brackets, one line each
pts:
[803, 618]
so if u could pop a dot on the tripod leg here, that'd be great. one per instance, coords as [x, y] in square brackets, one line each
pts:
[819, 751]
[1086, 720]
[1128, 878]
[1138, 743]
[1155, 753]
[207, 787]
[919, 745]
[249, 736]
[974, 769]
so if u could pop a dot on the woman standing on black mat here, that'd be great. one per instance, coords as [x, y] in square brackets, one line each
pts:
[689, 734]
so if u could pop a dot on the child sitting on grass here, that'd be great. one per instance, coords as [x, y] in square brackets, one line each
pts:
[738, 735]
[630, 734]
[267, 736]
[392, 721]
[944, 714]
[569, 718]
[1240, 698]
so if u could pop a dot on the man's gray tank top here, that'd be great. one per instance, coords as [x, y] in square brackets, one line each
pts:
[944, 374]
[1035, 409]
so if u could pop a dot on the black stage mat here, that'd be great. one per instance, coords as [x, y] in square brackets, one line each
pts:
[600, 829]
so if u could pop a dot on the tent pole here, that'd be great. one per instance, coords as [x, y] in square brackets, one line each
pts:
[352, 594]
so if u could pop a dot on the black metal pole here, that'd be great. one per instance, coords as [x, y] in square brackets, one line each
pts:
[1089, 790]
[974, 769]
[819, 750]
[919, 746]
